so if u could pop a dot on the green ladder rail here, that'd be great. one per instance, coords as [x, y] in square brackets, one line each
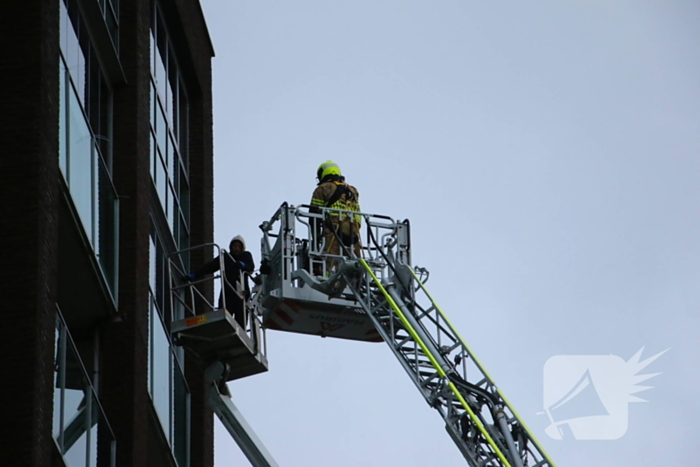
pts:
[487, 382]
[477, 416]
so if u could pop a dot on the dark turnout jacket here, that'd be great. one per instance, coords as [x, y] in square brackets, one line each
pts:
[232, 267]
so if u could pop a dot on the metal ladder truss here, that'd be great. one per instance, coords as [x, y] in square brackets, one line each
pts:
[477, 415]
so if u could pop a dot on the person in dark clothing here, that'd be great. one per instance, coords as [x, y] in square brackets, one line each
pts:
[236, 260]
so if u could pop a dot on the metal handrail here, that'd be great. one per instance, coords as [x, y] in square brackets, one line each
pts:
[287, 215]
[254, 327]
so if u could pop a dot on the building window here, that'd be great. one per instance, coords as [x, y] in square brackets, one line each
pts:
[78, 419]
[110, 14]
[166, 379]
[85, 140]
[169, 132]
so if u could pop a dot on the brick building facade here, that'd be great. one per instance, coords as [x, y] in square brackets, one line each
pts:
[106, 168]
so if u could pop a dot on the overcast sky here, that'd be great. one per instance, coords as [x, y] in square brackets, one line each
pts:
[546, 154]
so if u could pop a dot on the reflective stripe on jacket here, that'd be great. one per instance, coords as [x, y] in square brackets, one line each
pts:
[324, 192]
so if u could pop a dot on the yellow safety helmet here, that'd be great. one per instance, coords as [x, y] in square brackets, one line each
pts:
[327, 168]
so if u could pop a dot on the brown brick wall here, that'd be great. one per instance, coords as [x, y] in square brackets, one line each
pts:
[202, 208]
[124, 391]
[202, 220]
[28, 185]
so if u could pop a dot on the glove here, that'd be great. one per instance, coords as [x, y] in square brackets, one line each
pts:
[190, 277]
[242, 264]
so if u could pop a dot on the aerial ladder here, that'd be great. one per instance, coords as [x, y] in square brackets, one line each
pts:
[376, 296]
[379, 297]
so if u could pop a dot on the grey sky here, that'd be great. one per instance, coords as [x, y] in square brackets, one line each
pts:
[546, 154]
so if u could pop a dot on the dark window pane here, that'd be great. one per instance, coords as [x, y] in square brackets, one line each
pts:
[62, 125]
[154, 156]
[80, 162]
[153, 53]
[111, 21]
[184, 193]
[161, 373]
[173, 159]
[161, 65]
[152, 265]
[161, 180]
[184, 237]
[73, 53]
[183, 122]
[107, 228]
[161, 129]
[172, 211]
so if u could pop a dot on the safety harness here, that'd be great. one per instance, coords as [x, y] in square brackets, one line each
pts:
[350, 237]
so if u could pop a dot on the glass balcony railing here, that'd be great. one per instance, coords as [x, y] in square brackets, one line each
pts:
[79, 420]
[167, 386]
[107, 226]
[89, 181]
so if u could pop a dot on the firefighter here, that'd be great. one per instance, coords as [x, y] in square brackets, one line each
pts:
[341, 230]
